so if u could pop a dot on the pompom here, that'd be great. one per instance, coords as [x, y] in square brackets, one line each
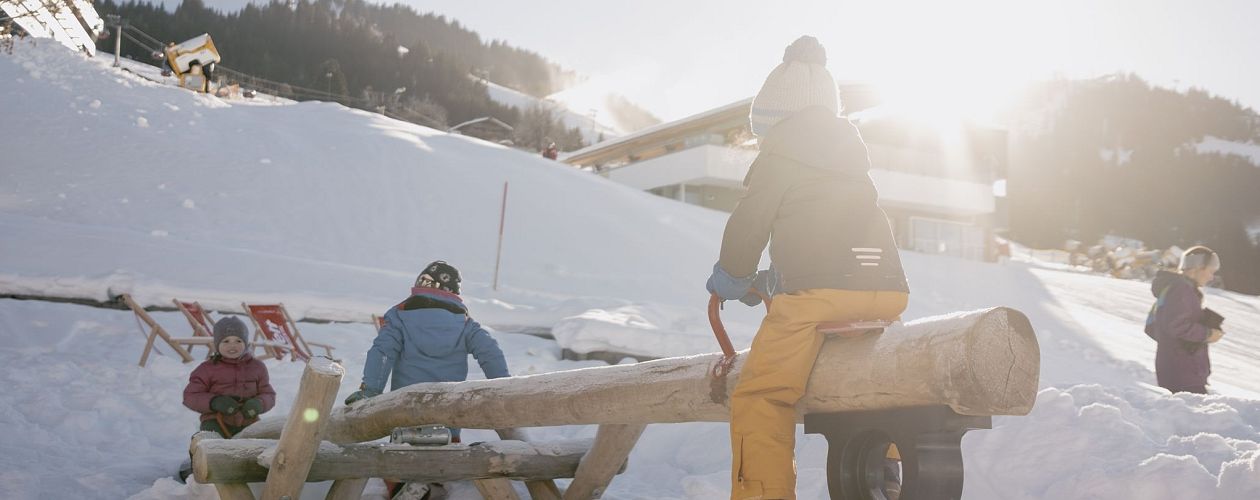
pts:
[806, 49]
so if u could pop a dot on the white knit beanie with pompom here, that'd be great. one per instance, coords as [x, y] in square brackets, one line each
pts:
[801, 81]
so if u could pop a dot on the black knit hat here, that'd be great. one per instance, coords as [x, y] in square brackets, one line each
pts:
[439, 274]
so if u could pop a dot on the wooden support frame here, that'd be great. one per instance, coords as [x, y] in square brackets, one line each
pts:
[965, 366]
[606, 459]
[544, 489]
[301, 436]
[155, 331]
[347, 489]
[983, 362]
[236, 461]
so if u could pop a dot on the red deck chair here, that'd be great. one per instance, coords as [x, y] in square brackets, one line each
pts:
[198, 318]
[272, 323]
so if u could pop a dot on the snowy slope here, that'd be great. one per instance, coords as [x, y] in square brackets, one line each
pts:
[106, 187]
[175, 187]
[1248, 150]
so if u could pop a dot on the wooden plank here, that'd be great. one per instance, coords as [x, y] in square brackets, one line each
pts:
[301, 436]
[236, 460]
[978, 363]
[607, 458]
[496, 489]
[347, 489]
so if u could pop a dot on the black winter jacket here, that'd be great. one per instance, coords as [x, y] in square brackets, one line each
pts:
[811, 197]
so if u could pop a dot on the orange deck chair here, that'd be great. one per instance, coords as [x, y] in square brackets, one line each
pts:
[282, 338]
[156, 330]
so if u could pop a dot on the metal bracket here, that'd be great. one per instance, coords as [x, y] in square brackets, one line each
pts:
[929, 440]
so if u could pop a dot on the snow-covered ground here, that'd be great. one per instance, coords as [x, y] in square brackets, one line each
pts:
[112, 183]
[1248, 150]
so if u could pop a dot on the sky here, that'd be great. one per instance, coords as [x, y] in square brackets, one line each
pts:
[680, 58]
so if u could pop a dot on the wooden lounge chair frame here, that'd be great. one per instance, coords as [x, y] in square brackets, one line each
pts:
[198, 318]
[156, 330]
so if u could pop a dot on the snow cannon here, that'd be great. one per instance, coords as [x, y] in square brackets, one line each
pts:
[192, 61]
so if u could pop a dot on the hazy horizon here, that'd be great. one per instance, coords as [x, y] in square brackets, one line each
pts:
[702, 54]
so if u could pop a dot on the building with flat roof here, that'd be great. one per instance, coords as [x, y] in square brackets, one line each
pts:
[935, 181]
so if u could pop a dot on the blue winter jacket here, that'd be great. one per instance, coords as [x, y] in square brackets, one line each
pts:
[427, 338]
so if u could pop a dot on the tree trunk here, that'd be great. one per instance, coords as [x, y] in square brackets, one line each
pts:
[983, 362]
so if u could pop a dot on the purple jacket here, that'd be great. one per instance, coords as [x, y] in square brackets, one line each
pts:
[1181, 360]
[244, 377]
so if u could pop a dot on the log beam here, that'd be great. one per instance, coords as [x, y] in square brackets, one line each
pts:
[607, 458]
[984, 362]
[301, 436]
[239, 461]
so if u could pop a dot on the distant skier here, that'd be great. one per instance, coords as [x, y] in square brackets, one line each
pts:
[427, 338]
[1181, 325]
[810, 196]
[551, 152]
[231, 389]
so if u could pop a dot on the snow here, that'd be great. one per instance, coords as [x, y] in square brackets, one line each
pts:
[331, 211]
[592, 129]
[1248, 150]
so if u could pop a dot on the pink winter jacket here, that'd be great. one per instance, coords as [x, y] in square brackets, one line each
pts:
[244, 377]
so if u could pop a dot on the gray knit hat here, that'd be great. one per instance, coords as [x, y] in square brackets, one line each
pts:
[801, 81]
[230, 327]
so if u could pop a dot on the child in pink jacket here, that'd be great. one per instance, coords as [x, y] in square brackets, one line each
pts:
[231, 389]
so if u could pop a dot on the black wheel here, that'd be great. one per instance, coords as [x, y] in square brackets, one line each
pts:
[861, 470]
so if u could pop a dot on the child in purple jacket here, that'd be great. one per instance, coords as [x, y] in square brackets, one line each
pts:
[1177, 322]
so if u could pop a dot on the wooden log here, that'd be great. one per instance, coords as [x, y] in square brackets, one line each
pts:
[301, 436]
[544, 489]
[607, 458]
[243, 460]
[984, 362]
[227, 491]
[496, 489]
[347, 489]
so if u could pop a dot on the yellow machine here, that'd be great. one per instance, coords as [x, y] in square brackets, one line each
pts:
[193, 62]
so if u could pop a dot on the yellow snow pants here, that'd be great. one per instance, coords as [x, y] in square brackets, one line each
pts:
[763, 416]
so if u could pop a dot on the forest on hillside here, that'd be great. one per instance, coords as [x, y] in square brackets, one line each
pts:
[388, 58]
[1116, 155]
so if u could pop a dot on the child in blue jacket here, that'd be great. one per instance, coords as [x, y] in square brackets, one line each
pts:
[427, 338]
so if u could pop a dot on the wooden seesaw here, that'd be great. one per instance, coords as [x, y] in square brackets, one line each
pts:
[920, 385]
